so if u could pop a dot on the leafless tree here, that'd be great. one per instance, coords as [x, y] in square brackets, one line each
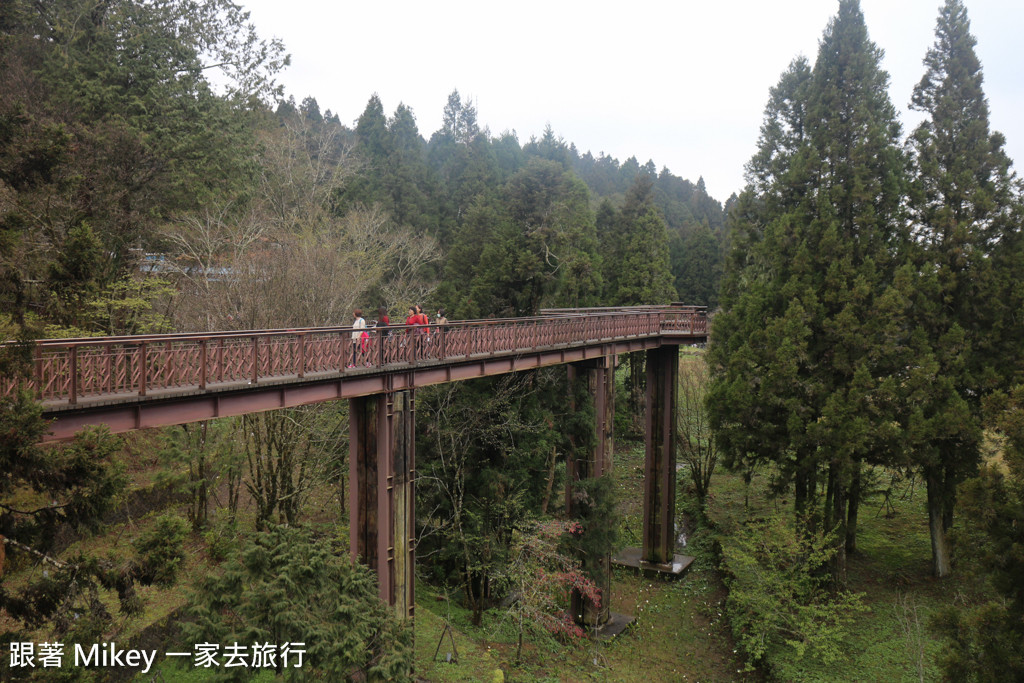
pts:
[458, 429]
[284, 259]
[287, 455]
[696, 444]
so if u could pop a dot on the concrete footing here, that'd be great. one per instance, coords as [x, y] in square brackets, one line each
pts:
[632, 559]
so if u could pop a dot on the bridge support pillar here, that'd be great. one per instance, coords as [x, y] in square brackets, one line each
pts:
[382, 465]
[659, 537]
[599, 378]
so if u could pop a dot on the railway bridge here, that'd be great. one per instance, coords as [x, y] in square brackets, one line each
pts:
[136, 382]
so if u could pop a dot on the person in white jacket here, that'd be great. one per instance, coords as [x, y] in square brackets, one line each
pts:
[358, 329]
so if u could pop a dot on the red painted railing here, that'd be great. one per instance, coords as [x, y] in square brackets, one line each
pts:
[71, 369]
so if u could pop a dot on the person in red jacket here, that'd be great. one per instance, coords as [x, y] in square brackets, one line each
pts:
[411, 338]
[422, 319]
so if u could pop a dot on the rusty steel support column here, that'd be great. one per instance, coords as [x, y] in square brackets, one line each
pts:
[382, 458]
[403, 495]
[362, 486]
[659, 537]
[599, 374]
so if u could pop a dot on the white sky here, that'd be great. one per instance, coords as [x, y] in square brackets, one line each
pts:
[681, 82]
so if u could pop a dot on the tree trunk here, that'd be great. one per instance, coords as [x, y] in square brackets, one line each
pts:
[202, 494]
[637, 375]
[949, 501]
[748, 476]
[800, 495]
[551, 481]
[234, 477]
[853, 507]
[476, 600]
[936, 525]
[830, 488]
[812, 498]
[838, 517]
[804, 483]
[519, 644]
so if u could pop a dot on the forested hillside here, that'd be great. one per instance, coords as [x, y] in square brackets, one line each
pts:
[119, 159]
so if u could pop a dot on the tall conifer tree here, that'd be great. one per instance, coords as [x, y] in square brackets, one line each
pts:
[806, 363]
[961, 201]
[699, 268]
[762, 392]
[465, 162]
[640, 272]
[530, 244]
[411, 183]
[859, 174]
[374, 147]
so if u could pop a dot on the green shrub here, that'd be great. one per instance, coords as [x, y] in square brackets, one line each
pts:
[161, 550]
[983, 643]
[285, 586]
[778, 595]
[220, 541]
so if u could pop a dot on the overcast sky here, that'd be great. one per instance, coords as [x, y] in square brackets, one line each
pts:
[679, 82]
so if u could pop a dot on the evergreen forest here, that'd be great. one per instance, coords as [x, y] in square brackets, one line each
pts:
[850, 480]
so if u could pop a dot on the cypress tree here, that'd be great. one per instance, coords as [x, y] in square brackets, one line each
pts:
[640, 273]
[856, 212]
[699, 268]
[805, 357]
[960, 202]
[410, 181]
[759, 387]
[529, 245]
[466, 164]
[374, 146]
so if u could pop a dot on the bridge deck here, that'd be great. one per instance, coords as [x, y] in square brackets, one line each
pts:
[143, 381]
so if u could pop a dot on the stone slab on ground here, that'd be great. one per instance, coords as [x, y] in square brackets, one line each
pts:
[615, 625]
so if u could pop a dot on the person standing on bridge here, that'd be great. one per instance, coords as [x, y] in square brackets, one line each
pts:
[382, 321]
[412, 319]
[358, 330]
[422, 319]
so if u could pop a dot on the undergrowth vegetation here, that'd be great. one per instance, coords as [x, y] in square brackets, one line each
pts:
[879, 628]
[778, 594]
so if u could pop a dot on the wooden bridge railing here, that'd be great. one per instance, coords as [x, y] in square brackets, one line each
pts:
[66, 370]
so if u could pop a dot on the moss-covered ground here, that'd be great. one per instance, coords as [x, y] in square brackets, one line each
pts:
[891, 567]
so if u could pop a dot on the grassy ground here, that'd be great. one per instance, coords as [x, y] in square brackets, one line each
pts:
[892, 568]
[678, 635]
